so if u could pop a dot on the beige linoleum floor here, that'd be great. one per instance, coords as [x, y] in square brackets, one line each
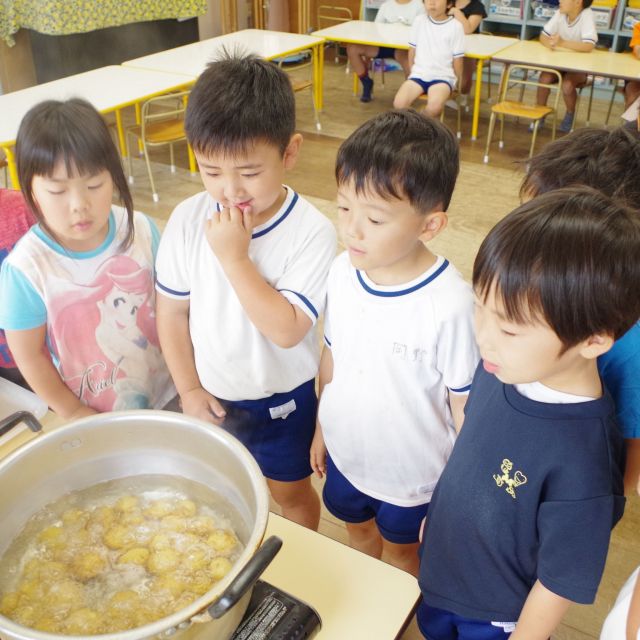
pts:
[483, 195]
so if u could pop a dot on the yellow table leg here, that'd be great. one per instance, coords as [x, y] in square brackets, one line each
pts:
[121, 140]
[193, 169]
[13, 170]
[138, 120]
[476, 100]
[320, 77]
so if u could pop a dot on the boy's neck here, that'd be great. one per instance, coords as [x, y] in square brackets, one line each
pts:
[267, 214]
[573, 14]
[405, 270]
[440, 17]
[579, 379]
[402, 1]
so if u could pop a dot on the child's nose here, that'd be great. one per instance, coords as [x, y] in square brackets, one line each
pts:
[79, 201]
[353, 227]
[232, 189]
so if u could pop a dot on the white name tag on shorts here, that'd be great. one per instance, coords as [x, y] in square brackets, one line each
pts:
[509, 627]
[283, 410]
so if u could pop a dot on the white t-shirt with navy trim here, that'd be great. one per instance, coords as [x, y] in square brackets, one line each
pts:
[392, 12]
[292, 251]
[99, 311]
[398, 352]
[582, 29]
[436, 45]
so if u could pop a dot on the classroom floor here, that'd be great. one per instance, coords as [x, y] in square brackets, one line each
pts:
[484, 194]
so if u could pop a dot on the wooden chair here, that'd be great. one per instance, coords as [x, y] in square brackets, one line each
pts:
[301, 83]
[161, 123]
[455, 96]
[511, 79]
[328, 15]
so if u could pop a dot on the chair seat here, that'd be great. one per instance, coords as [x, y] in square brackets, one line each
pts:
[521, 110]
[161, 132]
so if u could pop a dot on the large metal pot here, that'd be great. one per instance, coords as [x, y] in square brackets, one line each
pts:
[109, 446]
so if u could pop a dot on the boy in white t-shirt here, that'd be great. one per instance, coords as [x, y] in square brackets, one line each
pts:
[571, 27]
[241, 278]
[436, 58]
[399, 350]
[392, 12]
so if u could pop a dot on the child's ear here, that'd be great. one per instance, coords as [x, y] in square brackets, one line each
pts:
[596, 345]
[292, 151]
[434, 223]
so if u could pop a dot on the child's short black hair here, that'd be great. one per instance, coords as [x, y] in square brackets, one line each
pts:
[238, 101]
[570, 257]
[402, 154]
[586, 4]
[608, 161]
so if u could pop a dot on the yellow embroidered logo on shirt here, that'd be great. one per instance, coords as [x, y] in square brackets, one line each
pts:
[509, 483]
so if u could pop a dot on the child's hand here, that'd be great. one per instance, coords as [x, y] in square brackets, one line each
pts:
[199, 403]
[318, 454]
[229, 233]
[456, 13]
[555, 41]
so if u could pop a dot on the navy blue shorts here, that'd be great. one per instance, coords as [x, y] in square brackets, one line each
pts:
[280, 445]
[396, 524]
[438, 624]
[425, 85]
[386, 52]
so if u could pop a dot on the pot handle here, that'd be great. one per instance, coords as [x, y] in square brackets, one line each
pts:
[16, 418]
[247, 577]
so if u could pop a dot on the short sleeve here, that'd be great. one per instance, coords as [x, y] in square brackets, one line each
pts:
[415, 30]
[457, 353]
[304, 282]
[635, 38]
[551, 28]
[381, 16]
[588, 28]
[475, 8]
[458, 41]
[21, 306]
[172, 274]
[570, 563]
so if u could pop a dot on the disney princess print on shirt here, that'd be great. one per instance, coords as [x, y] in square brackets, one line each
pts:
[105, 340]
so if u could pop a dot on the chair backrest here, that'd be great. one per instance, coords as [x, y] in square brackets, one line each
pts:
[328, 15]
[168, 107]
[519, 76]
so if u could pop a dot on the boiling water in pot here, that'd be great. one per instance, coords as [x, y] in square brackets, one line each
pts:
[118, 555]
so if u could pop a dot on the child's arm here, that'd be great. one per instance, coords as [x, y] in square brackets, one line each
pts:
[412, 56]
[172, 319]
[282, 322]
[633, 619]
[318, 449]
[469, 24]
[458, 64]
[574, 45]
[457, 401]
[29, 352]
[542, 613]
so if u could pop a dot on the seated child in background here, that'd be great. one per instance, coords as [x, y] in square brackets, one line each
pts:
[571, 27]
[391, 11]
[470, 13]
[242, 271]
[15, 221]
[608, 161]
[632, 87]
[539, 460]
[435, 57]
[400, 353]
[76, 292]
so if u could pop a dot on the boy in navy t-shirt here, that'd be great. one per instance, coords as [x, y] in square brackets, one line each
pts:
[520, 521]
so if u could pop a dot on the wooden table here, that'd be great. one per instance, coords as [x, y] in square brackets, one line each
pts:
[357, 597]
[480, 47]
[192, 59]
[108, 89]
[596, 62]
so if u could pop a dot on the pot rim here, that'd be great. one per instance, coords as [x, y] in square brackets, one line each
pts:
[203, 602]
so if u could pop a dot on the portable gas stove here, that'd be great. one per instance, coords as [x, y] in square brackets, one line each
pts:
[275, 615]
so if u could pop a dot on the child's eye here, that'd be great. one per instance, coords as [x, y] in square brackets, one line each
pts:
[507, 333]
[211, 175]
[342, 209]
[249, 175]
[93, 187]
[55, 193]
[372, 221]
